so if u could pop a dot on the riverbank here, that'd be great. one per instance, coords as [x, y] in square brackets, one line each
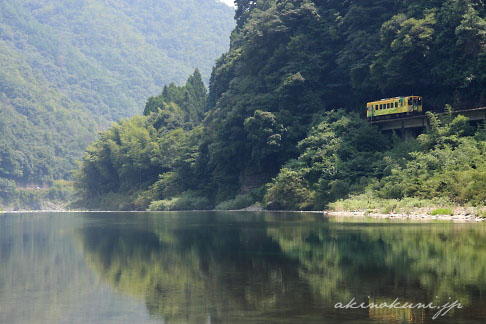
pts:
[368, 205]
[459, 215]
[462, 215]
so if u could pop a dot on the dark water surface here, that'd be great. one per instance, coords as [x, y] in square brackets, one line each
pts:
[235, 267]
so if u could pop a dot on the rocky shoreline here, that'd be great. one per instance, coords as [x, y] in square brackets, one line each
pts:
[462, 216]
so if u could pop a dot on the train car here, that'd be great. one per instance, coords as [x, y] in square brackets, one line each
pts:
[393, 107]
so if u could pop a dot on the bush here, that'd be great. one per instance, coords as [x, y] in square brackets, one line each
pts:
[289, 191]
[113, 201]
[61, 191]
[371, 201]
[7, 189]
[188, 200]
[242, 201]
[442, 211]
[239, 202]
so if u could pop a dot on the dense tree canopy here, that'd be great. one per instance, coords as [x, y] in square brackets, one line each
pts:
[289, 63]
[156, 150]
[70, 68]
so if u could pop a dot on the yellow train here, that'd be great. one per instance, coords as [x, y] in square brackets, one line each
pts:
[393, 107]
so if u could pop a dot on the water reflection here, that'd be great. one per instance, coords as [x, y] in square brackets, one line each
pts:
[234, 268]
[44, 277]
[286, 268]
[210, 270]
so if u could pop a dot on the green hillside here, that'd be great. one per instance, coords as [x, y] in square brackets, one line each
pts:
[70, 68]
[272, 131]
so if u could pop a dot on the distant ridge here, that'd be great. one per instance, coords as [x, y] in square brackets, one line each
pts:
[70, 68]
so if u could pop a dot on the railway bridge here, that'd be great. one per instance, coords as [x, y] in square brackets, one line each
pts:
[410, 124]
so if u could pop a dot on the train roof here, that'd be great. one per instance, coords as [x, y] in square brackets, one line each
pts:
[400, 97]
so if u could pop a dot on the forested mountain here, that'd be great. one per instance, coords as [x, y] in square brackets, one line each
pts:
[291, 61]
[70, 68]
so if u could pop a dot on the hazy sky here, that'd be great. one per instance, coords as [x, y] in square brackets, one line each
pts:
[230, 3]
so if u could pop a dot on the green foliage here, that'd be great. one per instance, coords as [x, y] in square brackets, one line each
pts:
[239, 202]
[292, 60]
[146, 158]
[338, 157]
[442, 211]
[288, 191]
[264, 135]
[403, 58]
[191, 96]
[7, 189]
[242, 201]
[343, 155]
[369, 200]
[188, 200]
[57, 196]
[270, 116]
[69, 69]
[450, 164]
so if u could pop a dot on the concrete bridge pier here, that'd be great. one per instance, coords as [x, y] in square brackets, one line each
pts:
[408, 133]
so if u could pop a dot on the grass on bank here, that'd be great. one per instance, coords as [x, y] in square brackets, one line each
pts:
[368, 201]
[436, 206]
[58, 195]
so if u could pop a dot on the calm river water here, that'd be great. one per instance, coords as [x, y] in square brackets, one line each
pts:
[236, 267]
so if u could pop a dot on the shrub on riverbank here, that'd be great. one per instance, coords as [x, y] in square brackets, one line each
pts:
[239, 202]
[340, 156]
[58, 195]
[370, 201]
[442, 211]
[348, 164]
[186, 201]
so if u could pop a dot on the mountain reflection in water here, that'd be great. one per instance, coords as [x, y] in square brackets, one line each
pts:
[235, 267]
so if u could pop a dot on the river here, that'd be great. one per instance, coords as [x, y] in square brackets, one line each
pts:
[238, 267]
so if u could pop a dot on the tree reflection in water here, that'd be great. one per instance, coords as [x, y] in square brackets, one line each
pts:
[287, 268]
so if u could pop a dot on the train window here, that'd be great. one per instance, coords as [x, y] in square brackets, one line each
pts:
[409, 101]
[396, 104]
[381, 106]
[376, 107]
[388, 105]
[420, 101]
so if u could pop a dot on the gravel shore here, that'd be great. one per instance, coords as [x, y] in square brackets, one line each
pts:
[417, 215]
